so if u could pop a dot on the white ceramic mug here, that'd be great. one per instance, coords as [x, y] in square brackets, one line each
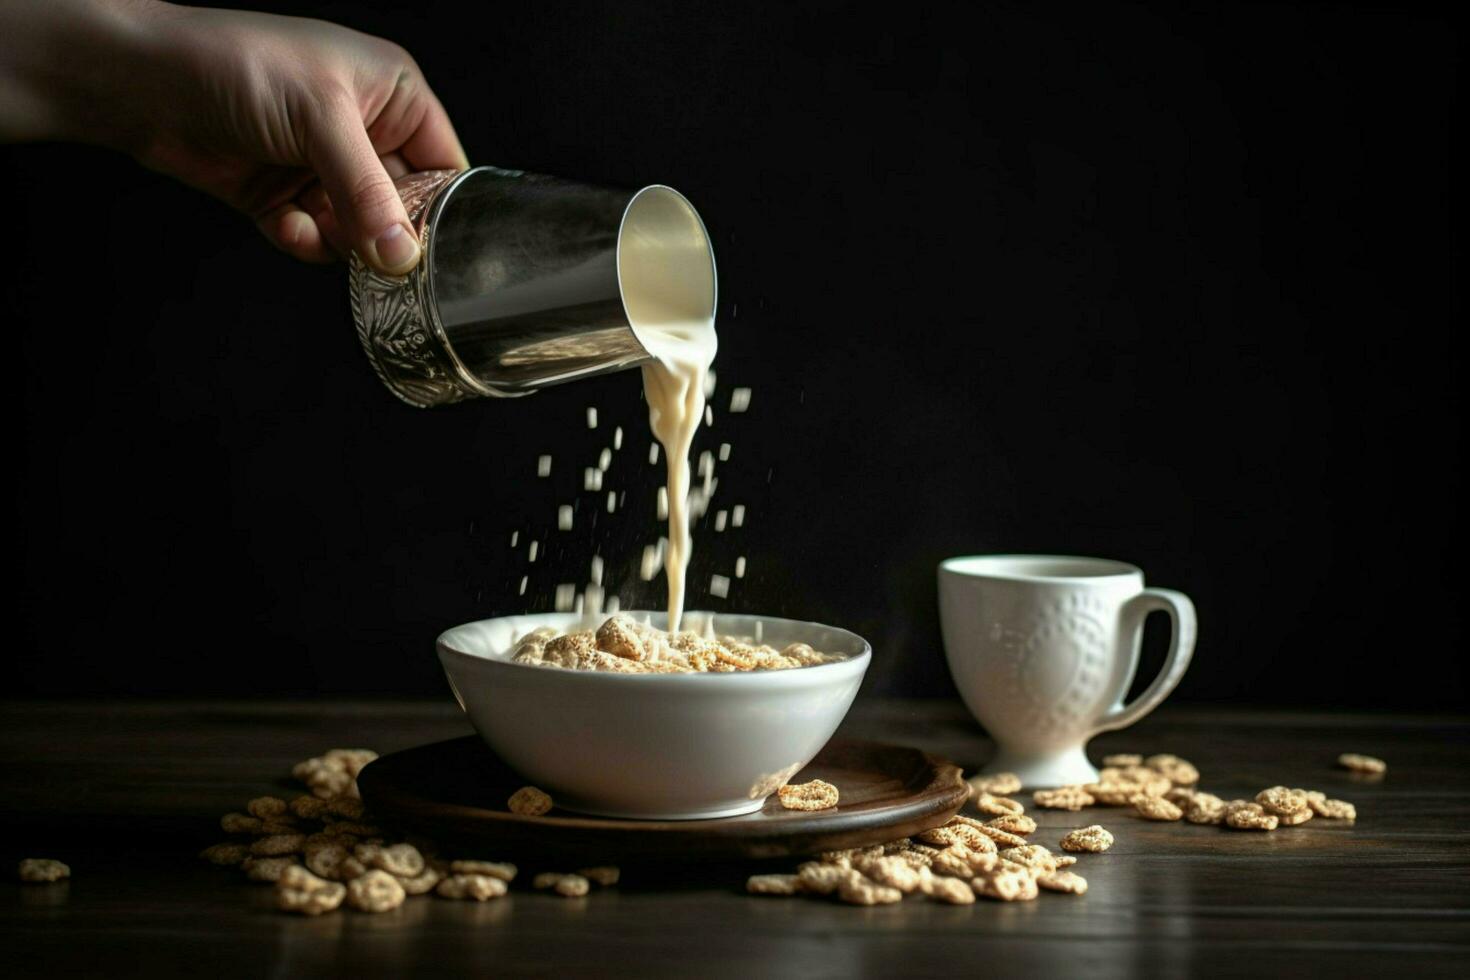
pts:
[1043, 649]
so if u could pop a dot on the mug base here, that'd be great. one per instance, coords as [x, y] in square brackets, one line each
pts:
[1044, 770]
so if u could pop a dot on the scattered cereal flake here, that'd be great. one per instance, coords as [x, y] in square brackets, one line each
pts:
[298, 890]
[997, 837]
[1014, 823]
[1094, 839]
[997, 806]
[740, 400]
[572, 886]
[543, 466]
[1072, 798]
[475, 887]
[724, 451]
[44, 870]
[709, 416]
[566, 596]
[266, 807]
[1333, 809]
[995, 783]
[971, 833]
[721, 518]
[663, 503]
[618, 437]
[591, 417]
[493, 869]
[1294, 819]
[528, 801]
[954, 890]
[814, 795]
[525, 580]
[307, 807]
[709, 384]
[1362, 763]
[816, 878]
[564, 515]
[1032, 856]
[740, 567]
[737, 515]
[1245, 815]
[1156, 808]
[604, 460]
[857, 889]
[326, 859]
[399, 860]
[892, 870]
[266, 868]
[1006, 884]
[652, 453]
[612, 502]
[275, 845]
[422, 883]
[347, 808]
[239, 823]
[376, 891]
[605, 875]
[1176, 770]
[1283, 801]
[515, 536]
[349, 869]
[719, 586]
[1204, 808]
[531, 552]
[1180, 795]
[953, 861]
[1063, 881]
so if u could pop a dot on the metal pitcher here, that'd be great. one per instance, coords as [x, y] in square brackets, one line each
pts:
[523, 283]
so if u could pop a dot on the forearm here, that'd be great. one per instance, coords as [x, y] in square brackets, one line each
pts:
[69, 67]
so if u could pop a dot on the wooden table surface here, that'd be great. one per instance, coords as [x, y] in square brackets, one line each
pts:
[127, 793]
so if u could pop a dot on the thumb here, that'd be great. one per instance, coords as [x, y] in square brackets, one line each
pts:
[364, 201]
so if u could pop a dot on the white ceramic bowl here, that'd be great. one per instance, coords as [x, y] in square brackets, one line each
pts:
[653, 746]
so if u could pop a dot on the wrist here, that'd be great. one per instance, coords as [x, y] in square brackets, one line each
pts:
[72, 69]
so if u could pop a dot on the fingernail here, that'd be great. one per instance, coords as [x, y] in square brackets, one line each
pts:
[398, 250]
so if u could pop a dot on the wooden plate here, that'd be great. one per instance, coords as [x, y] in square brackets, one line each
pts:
[455, 793]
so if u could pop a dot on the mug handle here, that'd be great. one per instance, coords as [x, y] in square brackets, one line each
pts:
[1181, 649]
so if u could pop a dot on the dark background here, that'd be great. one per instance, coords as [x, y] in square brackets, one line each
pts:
[1172, 283]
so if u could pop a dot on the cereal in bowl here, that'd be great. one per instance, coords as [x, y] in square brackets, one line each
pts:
[623, 645]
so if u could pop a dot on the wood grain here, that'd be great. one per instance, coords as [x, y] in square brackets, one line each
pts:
[127, 793]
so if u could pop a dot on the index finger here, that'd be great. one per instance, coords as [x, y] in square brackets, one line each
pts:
[434, 144]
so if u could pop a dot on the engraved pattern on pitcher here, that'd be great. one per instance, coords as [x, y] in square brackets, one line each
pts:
[1056, 664]
[392, 317]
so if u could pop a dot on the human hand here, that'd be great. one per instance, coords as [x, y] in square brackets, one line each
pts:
[300, 124]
